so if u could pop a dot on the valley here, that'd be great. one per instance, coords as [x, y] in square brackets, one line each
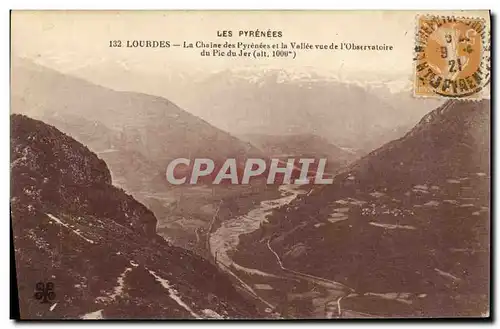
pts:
[409, 243]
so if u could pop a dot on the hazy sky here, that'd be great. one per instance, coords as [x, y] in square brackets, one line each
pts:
[69, 40]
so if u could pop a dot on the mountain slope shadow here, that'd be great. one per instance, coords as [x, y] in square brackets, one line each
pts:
[407, 224]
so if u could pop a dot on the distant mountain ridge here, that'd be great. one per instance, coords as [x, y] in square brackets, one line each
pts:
[147, 127]
[361, 114]
[273, 103]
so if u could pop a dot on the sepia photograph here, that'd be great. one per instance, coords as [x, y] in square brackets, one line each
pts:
[277, 165]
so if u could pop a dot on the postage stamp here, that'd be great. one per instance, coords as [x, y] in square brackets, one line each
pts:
[451, 57]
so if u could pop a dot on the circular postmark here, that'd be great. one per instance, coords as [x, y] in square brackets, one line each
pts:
[451, 57]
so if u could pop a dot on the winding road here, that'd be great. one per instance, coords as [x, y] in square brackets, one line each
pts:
[226, 238]
[346, 291]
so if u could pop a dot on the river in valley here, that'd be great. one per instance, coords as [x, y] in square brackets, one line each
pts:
[325, 295]
[226, 237]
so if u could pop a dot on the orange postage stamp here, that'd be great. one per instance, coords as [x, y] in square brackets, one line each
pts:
[451, 57]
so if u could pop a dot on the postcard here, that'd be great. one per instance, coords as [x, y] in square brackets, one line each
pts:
[250, 164]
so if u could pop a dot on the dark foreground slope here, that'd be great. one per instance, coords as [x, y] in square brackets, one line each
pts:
[407, 227]
[95, 243]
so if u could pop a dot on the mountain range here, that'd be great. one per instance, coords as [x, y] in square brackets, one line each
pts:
[360, 115]
[95, 246]
[137, 135]
[404, 230]
[123, 127]
[276, 102]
